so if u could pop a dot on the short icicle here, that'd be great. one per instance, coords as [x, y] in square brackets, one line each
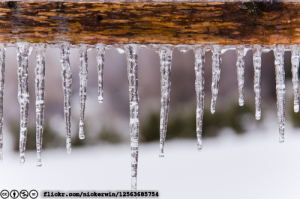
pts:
[66, 76]
[132, 72]
[216, 72]
[2, 82]
[240, 67]
[199, 87]
[295, 71]
[257, 50]
[23, 52]
[39, 98]
[165, 54]
[100, 63]
[83, 72]
[280, 88]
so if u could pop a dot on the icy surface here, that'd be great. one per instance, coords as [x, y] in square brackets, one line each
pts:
[257, 50]
[83, 71]
[23, 51]
[165, 55]
[100, 65]
[66, 76]
[280, 88]
[240, 67]
[295, 72]
[216, 71]
[2, 81]
[132, 73]
[199, 87]
[39, 98]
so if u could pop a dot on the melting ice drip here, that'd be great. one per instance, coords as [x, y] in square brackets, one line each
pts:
[66, 76]
[132, 73]
[83, 71]
[40, 97]
[131, 50]
[23, 51]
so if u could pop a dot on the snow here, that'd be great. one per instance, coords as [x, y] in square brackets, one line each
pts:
[253, 165]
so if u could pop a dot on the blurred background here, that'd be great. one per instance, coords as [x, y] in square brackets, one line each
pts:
[240, 157]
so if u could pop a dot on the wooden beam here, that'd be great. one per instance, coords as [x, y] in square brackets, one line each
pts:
[151, 22]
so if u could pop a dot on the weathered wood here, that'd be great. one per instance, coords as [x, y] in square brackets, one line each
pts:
[151, 22]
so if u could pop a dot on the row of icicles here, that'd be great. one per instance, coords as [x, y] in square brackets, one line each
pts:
[131, 50]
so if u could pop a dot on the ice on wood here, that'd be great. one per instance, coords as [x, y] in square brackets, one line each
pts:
[66, 76]
[257, 50]
[240, 67]
[2, 81]
[23, 51]
[100, 66]
[280, 88]
[132, 73]
[83, 71]
[39, 98]
[216, 71]
[295, 72]
[199, 87]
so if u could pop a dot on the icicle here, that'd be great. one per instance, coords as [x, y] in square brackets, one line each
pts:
[132, 72]
[83, 71]
[280, 88]
[100, 61]
[23, 51]
[165, 54]
[199, 87]
[216, 71]
[66, 76]
[295, 71]
[240, 67]
[2, 81]
[257, 50]
[39, 98]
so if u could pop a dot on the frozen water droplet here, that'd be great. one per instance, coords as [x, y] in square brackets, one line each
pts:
[23, 94]
[240, 67]
[280, 88]
[100, 62]
[216, 71]
[39, 97]
[132, 73]
[184, 48]
[199, 87]
[2, 82]
[295, 72]
[66, 75]
[83, 72]
[257, 50]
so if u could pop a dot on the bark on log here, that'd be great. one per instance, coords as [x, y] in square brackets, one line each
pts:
[151, 22]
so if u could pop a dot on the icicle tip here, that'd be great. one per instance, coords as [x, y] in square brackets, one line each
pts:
[100, 99]
[161, 155]
[81, 134]
[296, 108]
[22, 160]
[39, 163]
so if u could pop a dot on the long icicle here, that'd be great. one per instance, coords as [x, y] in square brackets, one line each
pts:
[199, 87]
[39, 98]
[280, 88]
[295, 72]
[132, 72]
[165, 54]
[100, 62]
[2, 82]
[216, 71]
[257, 50]
[66, 75]
[83, 71]
[240, 69]
[23, 51]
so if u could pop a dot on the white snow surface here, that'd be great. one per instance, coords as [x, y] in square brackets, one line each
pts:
[253, 165]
